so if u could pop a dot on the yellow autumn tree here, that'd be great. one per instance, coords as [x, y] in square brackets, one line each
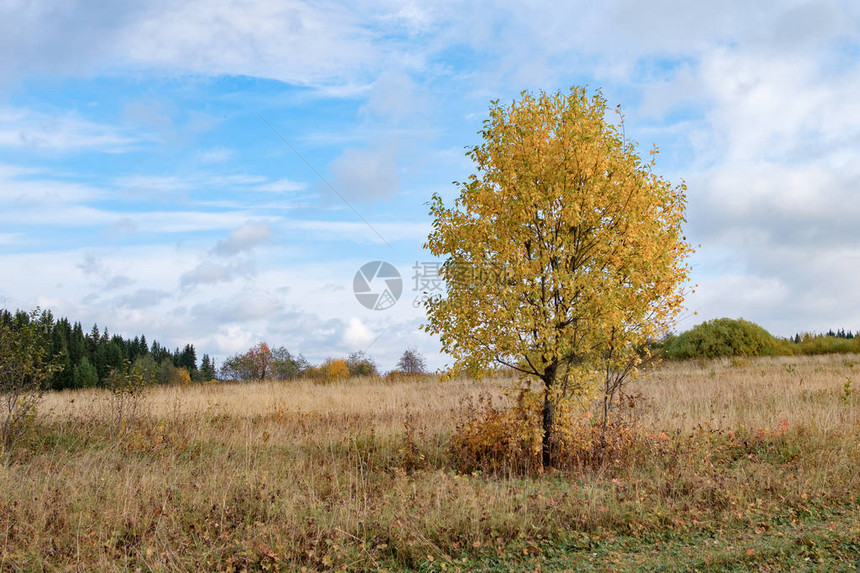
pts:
[336, 369]
[564, 253]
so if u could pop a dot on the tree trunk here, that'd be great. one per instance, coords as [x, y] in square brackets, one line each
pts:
[548, 422]
[604, 424]
[548, 417]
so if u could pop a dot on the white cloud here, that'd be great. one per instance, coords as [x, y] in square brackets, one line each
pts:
[151, 222]
[142, 298]
[394, 97]
[117, 282]
[410, 15]
[208, 272]
[359, 232]
[63, 132]
[340, 46]
[244, 308]
[737, 295]
[245, 238]
[771, 291]
[10, 238]
[291, 41]
[214, 155]
[154, 183]
[357, 335]
[43, 191]
[234, 339]
[124, 228]
[42, 37]
[779, 108]
[365, 174]
[162, 183]
[91, 265]
[162, 121]
[282, 186]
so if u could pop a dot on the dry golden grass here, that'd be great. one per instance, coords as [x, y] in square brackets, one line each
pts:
[280, 476]
[370, 398]
[724, 393]
[805, 391]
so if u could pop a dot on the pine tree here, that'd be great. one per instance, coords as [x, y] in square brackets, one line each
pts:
[207, 368]
[85, 375]
[63, 377]
[187, 358]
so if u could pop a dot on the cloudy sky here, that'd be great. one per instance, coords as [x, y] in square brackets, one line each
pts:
[185, 170]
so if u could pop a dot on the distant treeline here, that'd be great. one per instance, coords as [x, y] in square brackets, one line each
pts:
[87, 359]
[262, 362]
[738, 337]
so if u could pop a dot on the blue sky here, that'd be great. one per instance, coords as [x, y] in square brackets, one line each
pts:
[142, 188]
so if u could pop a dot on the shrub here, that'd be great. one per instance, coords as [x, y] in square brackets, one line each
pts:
[396, 376]
[181, 377]
[315, 373]
[724, 337]
[127, 386]
[492, 438]
[497, 439]
[827, 345]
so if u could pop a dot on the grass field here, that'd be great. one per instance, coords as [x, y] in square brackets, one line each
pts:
[737, 465]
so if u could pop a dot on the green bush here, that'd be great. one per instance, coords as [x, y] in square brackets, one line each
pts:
[725, 337]
[827, 345]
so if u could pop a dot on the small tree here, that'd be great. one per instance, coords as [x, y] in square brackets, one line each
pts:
[127, 386]
[207, 368]
[235, 367]
[564, 254]
[284, 365]
[254, 364]
[336, 369]
[85, 375]
[25, 367]
[260, 359]
[360, 364]
[150, 369]
[166, 372]
[412, 362]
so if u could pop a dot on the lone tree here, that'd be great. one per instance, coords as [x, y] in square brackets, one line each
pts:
[412, 362]
[564, 253]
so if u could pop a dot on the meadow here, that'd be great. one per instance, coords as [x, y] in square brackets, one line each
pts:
[728, 464]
